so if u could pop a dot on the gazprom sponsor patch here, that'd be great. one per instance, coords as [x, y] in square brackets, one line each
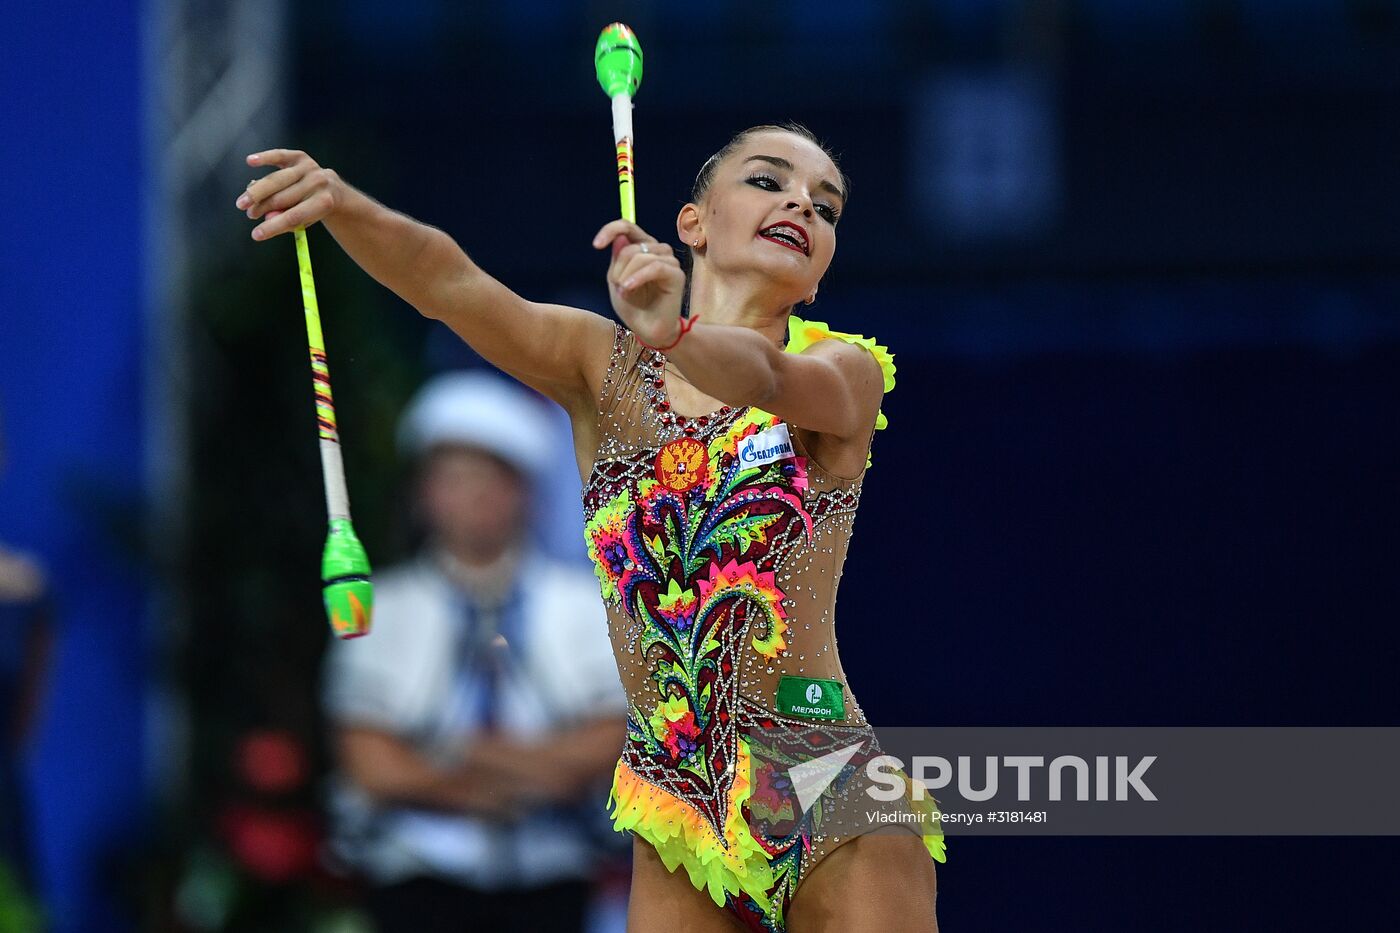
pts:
[765, 446]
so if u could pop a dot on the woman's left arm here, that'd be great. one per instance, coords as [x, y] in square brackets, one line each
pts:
[833, 387]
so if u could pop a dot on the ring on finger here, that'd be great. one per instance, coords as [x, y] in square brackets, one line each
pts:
[646, 248]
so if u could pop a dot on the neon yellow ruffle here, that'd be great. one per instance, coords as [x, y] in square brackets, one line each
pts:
[734, 865]
[681, 837]
[934, 842]
[802, 334]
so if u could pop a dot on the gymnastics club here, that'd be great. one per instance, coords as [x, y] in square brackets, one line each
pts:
[345, 582]
[618, 59]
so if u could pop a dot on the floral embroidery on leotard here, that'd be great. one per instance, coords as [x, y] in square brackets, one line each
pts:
[694, 567]
[688, 542]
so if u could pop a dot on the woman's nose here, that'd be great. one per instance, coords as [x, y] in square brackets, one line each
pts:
[805, 208]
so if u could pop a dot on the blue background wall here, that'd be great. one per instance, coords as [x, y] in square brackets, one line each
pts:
[70, 387]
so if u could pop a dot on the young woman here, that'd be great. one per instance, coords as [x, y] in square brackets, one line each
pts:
[722, 458]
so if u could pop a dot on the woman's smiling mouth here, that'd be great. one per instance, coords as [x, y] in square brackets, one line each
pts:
[786, 233]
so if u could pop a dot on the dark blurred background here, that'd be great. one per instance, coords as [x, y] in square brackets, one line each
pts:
[1138, 262]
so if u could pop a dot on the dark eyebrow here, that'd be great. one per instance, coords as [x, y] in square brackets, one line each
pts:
[785, 165]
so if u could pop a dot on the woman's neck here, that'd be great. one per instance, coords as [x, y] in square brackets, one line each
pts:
[739, 304]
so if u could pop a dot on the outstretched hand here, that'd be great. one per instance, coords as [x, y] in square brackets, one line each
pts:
[298, 194]
[645, 282]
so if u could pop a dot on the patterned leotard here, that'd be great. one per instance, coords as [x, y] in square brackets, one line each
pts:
[718, 544]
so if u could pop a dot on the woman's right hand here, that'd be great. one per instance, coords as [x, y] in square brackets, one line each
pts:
[298, 194]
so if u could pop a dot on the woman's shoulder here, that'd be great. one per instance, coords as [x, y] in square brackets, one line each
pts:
[803, 334]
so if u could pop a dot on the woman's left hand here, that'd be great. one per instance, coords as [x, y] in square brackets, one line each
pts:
[645, 282]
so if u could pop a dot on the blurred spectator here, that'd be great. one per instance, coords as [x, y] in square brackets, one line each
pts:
[24, 648]
[476, 725]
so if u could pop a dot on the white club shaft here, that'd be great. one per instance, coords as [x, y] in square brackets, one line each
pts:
[622, 117]
[333, 472]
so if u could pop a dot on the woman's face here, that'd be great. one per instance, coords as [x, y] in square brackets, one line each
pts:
[772, 208]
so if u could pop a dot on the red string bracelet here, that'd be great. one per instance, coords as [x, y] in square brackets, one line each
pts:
[686, 324]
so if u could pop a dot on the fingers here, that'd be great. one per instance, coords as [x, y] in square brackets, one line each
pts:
[659, 273]
[624, 252]
[269, 185]
[284, 199]
[286, 195]
[297, 194]
[279, 157]
[630, 260]
[624, 228]
[304, 214]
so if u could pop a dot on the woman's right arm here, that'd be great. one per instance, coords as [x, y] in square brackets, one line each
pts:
[557, 350]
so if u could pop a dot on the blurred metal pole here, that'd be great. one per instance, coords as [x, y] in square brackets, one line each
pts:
[215, 89]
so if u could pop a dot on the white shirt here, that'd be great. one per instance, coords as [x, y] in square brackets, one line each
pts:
[410, 677]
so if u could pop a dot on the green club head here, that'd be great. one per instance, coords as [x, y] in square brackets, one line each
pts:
[346, 586]
[349, 607]
[618, 59]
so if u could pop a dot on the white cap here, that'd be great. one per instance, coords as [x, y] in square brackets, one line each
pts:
[478, 409]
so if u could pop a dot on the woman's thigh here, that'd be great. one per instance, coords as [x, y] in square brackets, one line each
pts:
[876, 883]
[664, 901]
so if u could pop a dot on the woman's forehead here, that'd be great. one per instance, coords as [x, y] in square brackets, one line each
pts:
[804, 154]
